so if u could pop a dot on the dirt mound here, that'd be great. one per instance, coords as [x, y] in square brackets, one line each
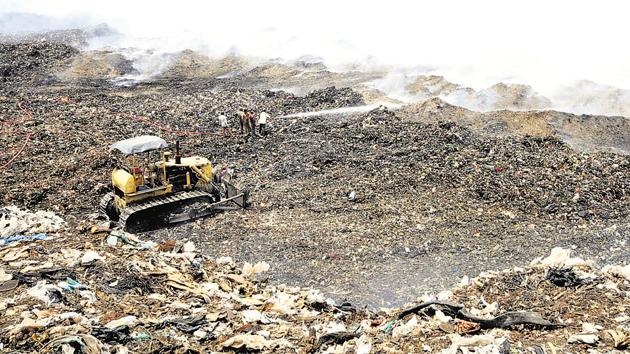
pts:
[372, 95]
[434, 110]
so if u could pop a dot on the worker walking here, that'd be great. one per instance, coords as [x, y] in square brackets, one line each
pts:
[223, 122]
[262, 123]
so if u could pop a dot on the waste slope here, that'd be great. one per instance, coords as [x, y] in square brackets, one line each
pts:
[107, 291]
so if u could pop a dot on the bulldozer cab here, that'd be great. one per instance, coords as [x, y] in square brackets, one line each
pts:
[140, 177]
[136, 178]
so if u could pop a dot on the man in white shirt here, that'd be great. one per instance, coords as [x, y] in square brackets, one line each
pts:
[262, 123]
[223, 122]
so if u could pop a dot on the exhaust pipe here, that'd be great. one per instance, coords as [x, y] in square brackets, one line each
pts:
[178, 157]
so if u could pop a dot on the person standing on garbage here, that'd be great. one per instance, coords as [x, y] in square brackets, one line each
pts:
[241, 116]
[262, 123]
[252, 122]
[223, 122]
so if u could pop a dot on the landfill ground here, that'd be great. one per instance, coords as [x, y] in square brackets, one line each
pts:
[436, 196]
[112, 292]
[374, 208]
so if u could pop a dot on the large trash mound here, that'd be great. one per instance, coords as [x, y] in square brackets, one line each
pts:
[94, 65]
[496, 97]
[350, 203]
[78, 38]
[190, 64]
[82, 122]
[585, 133]
[32, 62]
[532, 174]
[52, 65]
[540, 176]
[106, 291]
[434, 197]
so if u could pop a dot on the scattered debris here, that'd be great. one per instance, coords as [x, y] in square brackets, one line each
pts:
[503, 320]
[564, 277]
[621, 339]
[136, 298]
[15, 221]
[583, 339]
[486, 343]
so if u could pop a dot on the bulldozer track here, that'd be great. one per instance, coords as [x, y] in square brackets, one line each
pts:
[105, 201]
[160, 206]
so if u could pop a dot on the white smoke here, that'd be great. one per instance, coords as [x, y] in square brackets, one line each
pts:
[588, 97]
[551, 46]
[342, 110]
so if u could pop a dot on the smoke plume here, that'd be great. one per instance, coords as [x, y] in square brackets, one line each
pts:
[571, 53]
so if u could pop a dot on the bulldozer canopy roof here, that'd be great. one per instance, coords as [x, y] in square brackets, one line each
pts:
[139, 144]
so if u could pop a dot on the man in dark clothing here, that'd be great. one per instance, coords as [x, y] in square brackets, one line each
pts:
[252, 122]
[241, 115]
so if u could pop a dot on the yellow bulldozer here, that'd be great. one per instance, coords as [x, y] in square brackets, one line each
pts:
[147, 196]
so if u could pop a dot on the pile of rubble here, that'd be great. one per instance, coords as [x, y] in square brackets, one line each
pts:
[499, 96]
[584, 133]
[78, 292]
[332, 97]
[31, 61]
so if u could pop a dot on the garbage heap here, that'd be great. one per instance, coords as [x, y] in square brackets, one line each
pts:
[31, 62]
[97, 290]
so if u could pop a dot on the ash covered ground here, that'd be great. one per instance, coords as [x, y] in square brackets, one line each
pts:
[441, 192]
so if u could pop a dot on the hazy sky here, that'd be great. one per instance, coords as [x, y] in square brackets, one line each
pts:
[543, 43]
